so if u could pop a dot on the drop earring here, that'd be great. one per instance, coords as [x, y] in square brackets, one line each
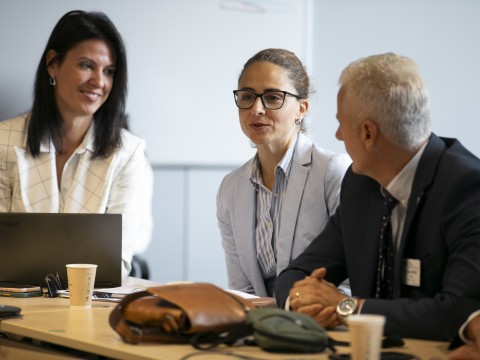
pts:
[52, 81]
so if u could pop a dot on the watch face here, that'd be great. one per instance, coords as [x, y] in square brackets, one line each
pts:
[347, 306]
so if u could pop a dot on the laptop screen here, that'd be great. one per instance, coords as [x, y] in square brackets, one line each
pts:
[33, 245]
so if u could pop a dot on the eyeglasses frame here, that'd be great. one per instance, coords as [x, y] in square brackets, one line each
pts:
[285, 93]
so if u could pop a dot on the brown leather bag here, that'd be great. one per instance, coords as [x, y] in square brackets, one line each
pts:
[174, 313]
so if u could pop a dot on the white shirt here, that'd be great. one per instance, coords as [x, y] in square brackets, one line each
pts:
[400, 188]
[461, 332]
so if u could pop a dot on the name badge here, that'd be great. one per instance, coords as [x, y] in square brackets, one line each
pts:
[412, 272]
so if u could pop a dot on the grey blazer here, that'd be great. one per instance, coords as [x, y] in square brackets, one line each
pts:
[312, 195]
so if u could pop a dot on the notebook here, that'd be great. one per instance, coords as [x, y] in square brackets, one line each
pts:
[33, 245]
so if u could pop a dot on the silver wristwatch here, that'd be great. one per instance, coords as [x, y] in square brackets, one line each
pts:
[346, 307]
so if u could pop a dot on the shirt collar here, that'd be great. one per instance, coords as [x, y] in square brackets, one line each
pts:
[284, 165]
[88, 142]
[46, 145]
[401, 185]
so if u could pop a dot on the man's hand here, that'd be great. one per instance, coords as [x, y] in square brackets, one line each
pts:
[465, 352]
[473, 332]
[469, 351]
[316, 297]
[325, 316]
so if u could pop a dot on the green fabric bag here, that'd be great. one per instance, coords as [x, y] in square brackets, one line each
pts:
[272, 329]
[278, 330]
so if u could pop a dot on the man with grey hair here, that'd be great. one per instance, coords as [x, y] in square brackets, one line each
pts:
[407, 231]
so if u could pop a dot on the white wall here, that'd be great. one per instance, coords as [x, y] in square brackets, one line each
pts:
[177, 48]
[441, 35]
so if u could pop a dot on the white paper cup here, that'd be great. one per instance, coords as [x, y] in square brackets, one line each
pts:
[81, 278]
[366, 332]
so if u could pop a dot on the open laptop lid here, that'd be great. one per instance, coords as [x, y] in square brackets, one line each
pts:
[33, 245]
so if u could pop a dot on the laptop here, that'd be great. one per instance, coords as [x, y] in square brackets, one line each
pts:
[33, 245]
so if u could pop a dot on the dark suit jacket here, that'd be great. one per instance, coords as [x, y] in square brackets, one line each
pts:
[442, 230]
[459, 312]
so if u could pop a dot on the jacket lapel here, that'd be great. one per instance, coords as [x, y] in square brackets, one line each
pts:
[90, 195]
[423, 178]
[38, 182]
[245, 199]
[302, 158]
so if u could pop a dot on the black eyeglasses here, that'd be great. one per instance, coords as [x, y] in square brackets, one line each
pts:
[272, 100]
[55, 283]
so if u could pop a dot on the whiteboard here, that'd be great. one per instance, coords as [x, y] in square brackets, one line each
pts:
[184, 58]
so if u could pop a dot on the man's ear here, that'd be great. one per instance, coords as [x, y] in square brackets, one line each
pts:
[369, 133]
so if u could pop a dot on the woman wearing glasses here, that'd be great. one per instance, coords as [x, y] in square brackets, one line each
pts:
[273, 206]
[71, 153]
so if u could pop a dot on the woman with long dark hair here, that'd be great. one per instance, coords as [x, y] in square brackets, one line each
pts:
[71, 153]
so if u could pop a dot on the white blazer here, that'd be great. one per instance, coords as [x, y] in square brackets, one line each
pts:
[312, 195]
[119, 184]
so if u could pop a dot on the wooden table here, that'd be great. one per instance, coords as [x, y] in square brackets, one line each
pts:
[52, 321]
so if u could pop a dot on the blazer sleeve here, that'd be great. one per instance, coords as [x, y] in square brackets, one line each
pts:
[459, 312]
[237, 278]
[128, 196]
[12, 134]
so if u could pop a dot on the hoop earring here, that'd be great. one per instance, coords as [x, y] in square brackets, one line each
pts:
[52, 81]
[298, 121]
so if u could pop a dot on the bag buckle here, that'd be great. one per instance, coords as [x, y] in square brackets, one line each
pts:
[134, 335]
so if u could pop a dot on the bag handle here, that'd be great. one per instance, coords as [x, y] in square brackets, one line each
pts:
[133, 334]
[209, 340]
[130, 334]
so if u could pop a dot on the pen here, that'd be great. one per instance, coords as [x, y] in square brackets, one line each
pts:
[105, 295]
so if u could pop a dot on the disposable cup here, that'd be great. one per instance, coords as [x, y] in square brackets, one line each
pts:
[366, 333]
[81, 278]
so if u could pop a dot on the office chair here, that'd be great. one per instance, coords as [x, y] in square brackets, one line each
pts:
[140, 268]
